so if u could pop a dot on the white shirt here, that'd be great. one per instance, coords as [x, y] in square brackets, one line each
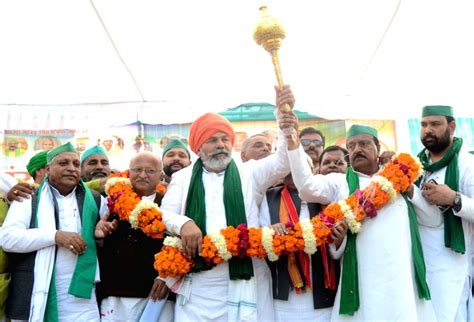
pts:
[447, 271]
[6, 182]
[387, 289]
[17, 236]
[256, 177]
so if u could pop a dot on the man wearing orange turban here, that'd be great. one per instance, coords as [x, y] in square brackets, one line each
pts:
[205, 127]
[208, 197]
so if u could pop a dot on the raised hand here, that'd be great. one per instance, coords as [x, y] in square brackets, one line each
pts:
[284, 95]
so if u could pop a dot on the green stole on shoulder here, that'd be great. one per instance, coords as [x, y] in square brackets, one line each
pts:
[350, 301]
[453, 232]
[83, 278]
[239, 268]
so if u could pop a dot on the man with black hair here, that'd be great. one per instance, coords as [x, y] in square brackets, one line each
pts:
[383, 272]
[176, 156]
[445, 208]
[313, 142]
[333, 159]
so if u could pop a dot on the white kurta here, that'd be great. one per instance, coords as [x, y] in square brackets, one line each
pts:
[387, 288]
[299, 307]
[15, 236]
[448, 272]
[6, 183]
[209, 292]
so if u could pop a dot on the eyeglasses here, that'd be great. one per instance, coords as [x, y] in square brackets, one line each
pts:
[306, 142]
[148, 171]
[364, 144]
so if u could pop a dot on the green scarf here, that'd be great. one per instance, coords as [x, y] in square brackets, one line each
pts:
[350, 279]
[83, 278]
[417, 253]
[239, 268]
[350, 276]
[453, 232]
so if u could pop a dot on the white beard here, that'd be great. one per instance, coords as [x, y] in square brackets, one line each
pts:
[215, 164]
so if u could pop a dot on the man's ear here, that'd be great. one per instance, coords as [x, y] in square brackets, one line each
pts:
[452, 127]
[242, 156]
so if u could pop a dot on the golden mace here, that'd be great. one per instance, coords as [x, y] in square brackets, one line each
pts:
[269, 33]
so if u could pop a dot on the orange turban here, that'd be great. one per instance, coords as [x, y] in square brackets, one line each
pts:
[206, 126]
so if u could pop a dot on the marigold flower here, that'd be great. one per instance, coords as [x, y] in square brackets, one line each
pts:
[170, 262]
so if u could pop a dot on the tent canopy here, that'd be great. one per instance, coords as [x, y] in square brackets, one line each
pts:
[258, 112]
[344, 59]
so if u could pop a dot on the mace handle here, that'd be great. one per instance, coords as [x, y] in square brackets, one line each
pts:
[276, 67]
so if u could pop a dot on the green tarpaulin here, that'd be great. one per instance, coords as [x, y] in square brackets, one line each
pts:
[258, 112]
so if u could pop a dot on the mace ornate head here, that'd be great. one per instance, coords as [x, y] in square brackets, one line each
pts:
[269, 32]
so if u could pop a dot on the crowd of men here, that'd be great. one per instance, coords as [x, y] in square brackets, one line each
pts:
[66, 256]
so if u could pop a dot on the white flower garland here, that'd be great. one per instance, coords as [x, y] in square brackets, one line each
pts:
[387, 186]
[219, 241]
[142, 205]
[310, 246]
[353, 224]
[173, 242]
[113, 181]
[267, 243]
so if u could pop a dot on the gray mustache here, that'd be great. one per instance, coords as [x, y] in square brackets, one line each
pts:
[223, 151]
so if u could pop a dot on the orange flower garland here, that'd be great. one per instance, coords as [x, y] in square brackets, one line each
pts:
[377, 196]
[231, 236]
[170, 262]
[255, 244]
[209, 251]
[161, 188]
[394, 179]
[128, 206]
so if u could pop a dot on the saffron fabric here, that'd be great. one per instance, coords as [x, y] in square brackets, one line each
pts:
[206, 126]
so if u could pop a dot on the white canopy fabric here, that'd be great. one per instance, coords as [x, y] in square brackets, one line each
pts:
[344, 59]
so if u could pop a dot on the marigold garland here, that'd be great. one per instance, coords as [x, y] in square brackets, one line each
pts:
[255, 248]
[128, 205]
[395, 178]
[170, 262]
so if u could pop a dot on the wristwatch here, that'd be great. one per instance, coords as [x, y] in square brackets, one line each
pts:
[457, 204]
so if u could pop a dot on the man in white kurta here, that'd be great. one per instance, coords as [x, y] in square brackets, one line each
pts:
[448, 271]
[212, 293]
[46, 240]
[386, 278]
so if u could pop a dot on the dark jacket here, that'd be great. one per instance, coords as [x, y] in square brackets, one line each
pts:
[126, 262]
[322, 297]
